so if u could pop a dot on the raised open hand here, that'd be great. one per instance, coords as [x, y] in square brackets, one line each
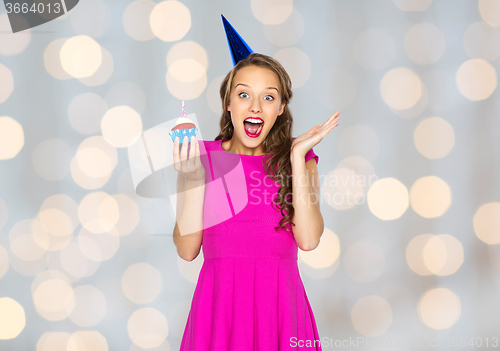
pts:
[305, 142]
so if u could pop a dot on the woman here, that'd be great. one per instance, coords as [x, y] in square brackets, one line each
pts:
[249, 294]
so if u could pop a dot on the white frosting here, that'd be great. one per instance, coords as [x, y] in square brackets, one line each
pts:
[183, 120]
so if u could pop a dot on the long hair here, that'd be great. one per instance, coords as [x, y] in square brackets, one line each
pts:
[278, 142]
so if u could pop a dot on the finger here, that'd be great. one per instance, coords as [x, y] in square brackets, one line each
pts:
[331, 126]
[198, 156]
[325, 129]
[313, 129]
[335, 116]
[192, 151]
[329, 129]
[323, 126]
[332, 123]
[197, 151]
[184, 149]
[176, 151]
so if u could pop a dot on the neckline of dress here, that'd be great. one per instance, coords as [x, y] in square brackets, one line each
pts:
[220, 146]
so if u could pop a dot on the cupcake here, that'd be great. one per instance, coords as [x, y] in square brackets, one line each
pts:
[183, 127]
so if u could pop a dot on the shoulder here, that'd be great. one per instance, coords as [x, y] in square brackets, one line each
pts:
[209, 144]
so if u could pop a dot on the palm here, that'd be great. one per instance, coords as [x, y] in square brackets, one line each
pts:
[305, 142]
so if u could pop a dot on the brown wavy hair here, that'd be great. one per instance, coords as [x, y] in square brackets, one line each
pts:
[278, 142]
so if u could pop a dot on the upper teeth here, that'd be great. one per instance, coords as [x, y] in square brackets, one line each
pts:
[253, 120]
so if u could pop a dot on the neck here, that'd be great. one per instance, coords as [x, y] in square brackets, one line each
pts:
[236, 147]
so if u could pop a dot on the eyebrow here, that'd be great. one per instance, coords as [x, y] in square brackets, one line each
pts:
[249, 86]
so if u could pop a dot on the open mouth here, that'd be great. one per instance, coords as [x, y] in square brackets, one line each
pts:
[253, 126]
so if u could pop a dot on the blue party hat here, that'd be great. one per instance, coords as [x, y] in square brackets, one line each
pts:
[237, 46]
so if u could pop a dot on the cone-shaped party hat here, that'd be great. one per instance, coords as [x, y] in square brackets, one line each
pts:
[237, 46]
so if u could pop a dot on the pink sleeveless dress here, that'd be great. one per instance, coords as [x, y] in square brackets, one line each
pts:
[249, 295]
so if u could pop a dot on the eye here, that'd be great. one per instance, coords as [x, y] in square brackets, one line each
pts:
[242, 93]
[272, 97]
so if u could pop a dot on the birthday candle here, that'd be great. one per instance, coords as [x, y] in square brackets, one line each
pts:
[183, 109]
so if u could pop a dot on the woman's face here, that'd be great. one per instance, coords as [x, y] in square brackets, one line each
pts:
[254, 93]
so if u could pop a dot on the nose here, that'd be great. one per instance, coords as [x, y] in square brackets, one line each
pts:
[255, 106]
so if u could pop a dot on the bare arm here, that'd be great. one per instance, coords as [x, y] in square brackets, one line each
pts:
[309, 224]
[188, 231]
[308, 220]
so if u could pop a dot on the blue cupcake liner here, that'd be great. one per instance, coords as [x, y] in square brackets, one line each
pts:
[181, 133]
